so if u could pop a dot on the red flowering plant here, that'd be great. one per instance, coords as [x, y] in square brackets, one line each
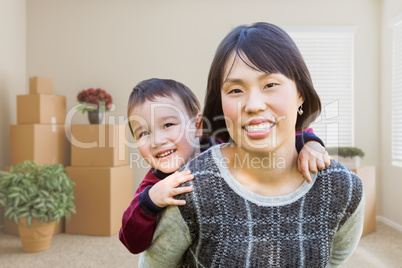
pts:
[94, 99]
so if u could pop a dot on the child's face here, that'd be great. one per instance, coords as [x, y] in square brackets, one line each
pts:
[166, 135]
[260, 109]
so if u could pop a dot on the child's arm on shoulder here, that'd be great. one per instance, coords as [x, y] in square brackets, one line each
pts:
[312, 154]
[139, 219]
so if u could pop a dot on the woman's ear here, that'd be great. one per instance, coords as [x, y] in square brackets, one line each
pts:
[300, 101]
[198, 125]
[300, 98]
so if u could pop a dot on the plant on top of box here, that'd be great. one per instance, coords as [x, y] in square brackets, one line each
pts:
[95, 102]
[36, 196]
[346, 151]
[350, 156]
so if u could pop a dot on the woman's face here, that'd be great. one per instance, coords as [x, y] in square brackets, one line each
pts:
[260, 108]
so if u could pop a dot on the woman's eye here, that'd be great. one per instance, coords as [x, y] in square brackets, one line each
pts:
[167, 125]
[235, 91]
[142, 134]
[270, 85]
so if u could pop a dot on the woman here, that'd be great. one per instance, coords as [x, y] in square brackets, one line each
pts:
[250, 207]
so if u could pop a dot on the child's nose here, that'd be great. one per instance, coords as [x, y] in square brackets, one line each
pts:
[159, 138]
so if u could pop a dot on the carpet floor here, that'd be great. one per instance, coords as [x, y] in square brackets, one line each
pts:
[380, 249]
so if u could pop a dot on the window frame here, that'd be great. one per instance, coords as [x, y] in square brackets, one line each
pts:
[396, 91]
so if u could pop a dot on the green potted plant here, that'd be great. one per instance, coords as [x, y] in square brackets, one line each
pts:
[35, 197]
[347, 155]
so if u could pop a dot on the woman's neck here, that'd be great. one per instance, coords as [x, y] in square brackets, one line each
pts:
[272, 174]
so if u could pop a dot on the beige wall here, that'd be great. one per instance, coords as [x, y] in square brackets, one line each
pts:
[391, 176]
[12, 70]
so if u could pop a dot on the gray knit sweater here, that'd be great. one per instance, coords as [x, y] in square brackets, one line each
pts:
[224, 224]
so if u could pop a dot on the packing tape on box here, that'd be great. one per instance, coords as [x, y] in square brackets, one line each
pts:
[53, 120]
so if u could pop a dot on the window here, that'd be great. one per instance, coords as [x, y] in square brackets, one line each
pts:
[328, 53]
[397, 92]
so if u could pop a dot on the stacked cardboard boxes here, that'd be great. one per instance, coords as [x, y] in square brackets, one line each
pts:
[104, 185]
[39, 133]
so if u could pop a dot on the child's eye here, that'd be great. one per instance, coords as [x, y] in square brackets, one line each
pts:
[235, 91]
[142, 134]
[167, 125]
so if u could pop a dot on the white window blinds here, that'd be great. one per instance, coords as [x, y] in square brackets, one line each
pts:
[328, 53]
[397, 93]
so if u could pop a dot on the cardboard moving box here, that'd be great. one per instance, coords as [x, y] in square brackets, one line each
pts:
[102, 194]
[40, 85]
[44, 144]
[98, 145]
[41, 109]
[367, 175]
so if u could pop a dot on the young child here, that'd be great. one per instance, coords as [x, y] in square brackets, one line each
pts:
[165, 120]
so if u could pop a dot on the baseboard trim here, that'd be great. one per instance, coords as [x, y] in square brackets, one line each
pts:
[390, 223]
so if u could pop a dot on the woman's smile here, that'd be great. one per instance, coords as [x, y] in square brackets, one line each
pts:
[258, 128]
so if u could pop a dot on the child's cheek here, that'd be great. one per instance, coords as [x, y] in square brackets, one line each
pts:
[142, 142]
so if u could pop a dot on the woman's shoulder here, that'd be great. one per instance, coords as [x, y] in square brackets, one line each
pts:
[205, 168]
[338, 169]
[206, 160]
[341, 179]
[342, 188]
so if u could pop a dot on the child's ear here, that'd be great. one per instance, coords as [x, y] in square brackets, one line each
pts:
[198, 125]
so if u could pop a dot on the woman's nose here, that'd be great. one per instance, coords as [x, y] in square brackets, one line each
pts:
[255, 102]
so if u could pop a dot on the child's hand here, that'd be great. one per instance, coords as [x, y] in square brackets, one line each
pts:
[162, 192]
[312, 157]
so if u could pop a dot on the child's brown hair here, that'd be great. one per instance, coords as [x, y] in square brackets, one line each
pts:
[155, 87]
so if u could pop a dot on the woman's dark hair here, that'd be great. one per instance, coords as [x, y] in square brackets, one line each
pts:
[156, 87]
[267, 48]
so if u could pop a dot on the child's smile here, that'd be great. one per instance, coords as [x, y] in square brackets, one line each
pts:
[165, 153]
